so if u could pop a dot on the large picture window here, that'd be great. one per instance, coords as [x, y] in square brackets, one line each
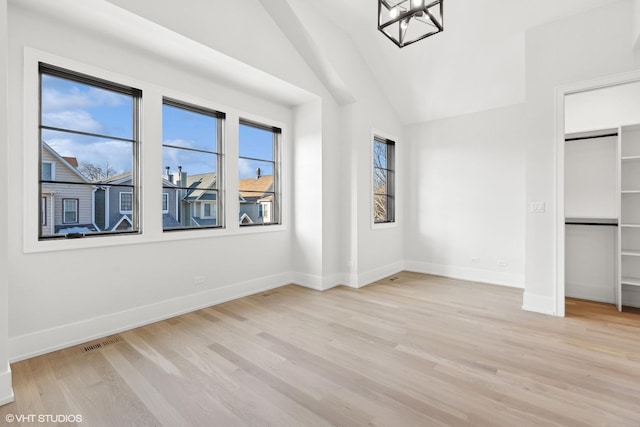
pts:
[258, 170]
[192, 160]
[383, 180]
[88, 154]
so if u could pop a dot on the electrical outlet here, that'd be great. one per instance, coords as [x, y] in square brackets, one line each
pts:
[475, 260]
[198, 280]
[502, 262]
[537, 207]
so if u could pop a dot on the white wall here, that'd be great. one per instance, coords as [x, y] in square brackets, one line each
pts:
[6, 393]
[559, 53]
[603, 108]
[74, 295]
[465, 203]
[77, 294]
[635, 35]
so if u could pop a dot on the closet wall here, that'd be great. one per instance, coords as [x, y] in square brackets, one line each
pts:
[600, 184]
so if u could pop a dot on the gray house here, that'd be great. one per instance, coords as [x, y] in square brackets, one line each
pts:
[65, 206]
[114, 201]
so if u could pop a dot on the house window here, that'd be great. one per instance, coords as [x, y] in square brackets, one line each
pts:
[383, 180]
[88, 142]
[126, 202]
[192, 161]
[48, 171]
[165, 203]
[70, 211]
[259, 171]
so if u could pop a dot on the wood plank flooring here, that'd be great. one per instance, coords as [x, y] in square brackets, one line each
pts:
[411, 350]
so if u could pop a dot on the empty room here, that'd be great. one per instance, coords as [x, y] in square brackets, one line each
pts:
[373, 213]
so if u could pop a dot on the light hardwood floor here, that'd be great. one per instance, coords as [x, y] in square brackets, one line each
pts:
[411, 350]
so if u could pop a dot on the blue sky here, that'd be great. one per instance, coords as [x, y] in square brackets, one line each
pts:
[75, 106]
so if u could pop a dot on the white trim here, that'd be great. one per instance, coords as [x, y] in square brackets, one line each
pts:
[53, 169]
[465, 273]
[6, 390]
[538, 303]
[318, 282]
[45, 341]
[31, 241]
[368, 277]
[559, 226]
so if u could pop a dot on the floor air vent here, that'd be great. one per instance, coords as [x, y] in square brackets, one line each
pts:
[102, 342]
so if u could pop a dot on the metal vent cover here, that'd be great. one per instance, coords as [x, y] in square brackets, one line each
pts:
[102, 342]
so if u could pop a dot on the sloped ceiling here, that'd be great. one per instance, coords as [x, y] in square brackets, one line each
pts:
[477, 63]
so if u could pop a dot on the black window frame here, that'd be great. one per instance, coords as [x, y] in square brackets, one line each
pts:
[390, 187]
[135, 140]
[277, 191]
[220, 179]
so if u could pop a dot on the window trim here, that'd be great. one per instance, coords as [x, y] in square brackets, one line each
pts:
[277, 165]
[76, 211]
[381, 136]
[43, 211]
[150, 229]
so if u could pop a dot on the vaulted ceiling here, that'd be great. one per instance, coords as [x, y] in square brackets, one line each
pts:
[477, 63]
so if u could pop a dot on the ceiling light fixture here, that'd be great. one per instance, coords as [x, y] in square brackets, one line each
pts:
[407, 21]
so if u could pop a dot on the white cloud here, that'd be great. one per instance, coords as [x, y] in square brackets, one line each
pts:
[54, 100]
[72, 119]
[117, 154]
[246, 169]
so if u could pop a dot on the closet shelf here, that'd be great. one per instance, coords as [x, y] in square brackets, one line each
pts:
[630, 225]
[630, 158]
[630, 191]
[632, 281]
[629, 252]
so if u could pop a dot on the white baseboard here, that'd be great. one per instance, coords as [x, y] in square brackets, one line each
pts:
[539, 303]
[317, 282]
[48, 340]
[368, 277]
[6, 390]
[465, 273]
[631, 296]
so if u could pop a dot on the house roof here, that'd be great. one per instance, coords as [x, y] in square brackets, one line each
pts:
[64, 161]
[199, 184]
[255, 187]
[71, 160]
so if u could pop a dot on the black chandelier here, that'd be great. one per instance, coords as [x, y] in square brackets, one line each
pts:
[407, 21]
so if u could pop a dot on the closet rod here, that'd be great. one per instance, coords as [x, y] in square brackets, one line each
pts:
[579, 138]
[591, 223]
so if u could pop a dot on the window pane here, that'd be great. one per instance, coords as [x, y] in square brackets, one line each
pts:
[190, 162]
[87, 172]
[258, 173]
[165, 202]
[95, 158]
[380, 154]
[191, 165]
[380, 208]
[253, 170]
[189, 129]
[71, 105]
[256, 143]
[383, 181]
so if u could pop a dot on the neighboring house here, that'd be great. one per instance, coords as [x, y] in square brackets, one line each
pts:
[256, 200]
[114, 204]
[198, 206]
[65, 206]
